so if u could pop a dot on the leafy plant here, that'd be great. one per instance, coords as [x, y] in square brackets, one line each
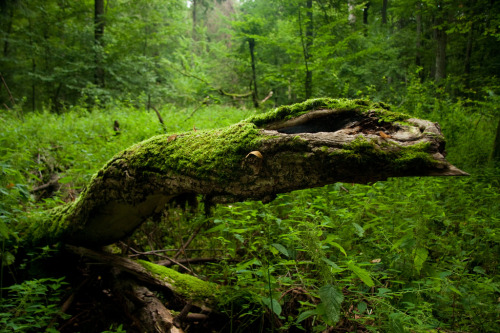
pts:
[32, 306]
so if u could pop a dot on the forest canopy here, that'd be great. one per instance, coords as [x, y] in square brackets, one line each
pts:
[81, 81]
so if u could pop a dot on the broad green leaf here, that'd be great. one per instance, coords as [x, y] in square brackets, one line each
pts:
[331, 298]
[396, 324]
[7, 258]
[335, 244]
[272, 304]
[219, 227]
[306, 314]
[362, 306]
[361, 273]
[479, 269]
[65, 180]
[421, 255]
[452, 288]
[280, 248]
[358, 229]
[333, 265]
[4, 230]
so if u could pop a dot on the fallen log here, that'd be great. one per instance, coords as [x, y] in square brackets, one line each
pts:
[310, 144]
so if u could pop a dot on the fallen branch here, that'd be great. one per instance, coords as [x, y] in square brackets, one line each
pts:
[312, 144]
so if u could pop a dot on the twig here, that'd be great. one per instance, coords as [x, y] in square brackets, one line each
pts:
[267, 97]
[53, 181]
[186, 244]
[182, 315]
[155, 252]
[168, 258]
[8, 90]
[159, 117]
[219, 90]
[168, 263]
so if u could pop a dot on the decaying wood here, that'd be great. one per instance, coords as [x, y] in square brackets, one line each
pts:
[146, 311]
[307, 145]
[123, 264]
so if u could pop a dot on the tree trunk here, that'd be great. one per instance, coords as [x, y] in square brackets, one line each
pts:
[384, 12]
[318, 142]
[365, 13]
[418, 37]
[308, 48]
[352, 15]
[441, 42]
[251, 46]
[496, 144]
[194, 3]
[98, 34]
[468, 55]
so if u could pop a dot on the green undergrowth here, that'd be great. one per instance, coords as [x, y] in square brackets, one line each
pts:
[404, 255]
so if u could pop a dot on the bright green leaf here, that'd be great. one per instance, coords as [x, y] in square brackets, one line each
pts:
[331, 298]
[361, 273]
[273, 304]
[421, 255]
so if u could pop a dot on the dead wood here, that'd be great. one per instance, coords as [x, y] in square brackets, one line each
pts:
[307, 145]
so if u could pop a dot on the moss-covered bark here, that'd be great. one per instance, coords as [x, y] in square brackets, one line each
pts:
[309, 144]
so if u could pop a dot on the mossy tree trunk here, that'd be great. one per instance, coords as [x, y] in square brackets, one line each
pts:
[311, 144]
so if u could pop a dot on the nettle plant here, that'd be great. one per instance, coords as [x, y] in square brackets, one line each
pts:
[389, 255]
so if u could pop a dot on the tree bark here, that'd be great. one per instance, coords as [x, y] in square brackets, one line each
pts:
[441, 43]
[318, 142]
[418, 37]
[251, 46]
[384, 12]
[352, 14]
[194, 5]
[468, 56]
[308, 48]
[98, 34]
[496, 144]
[365, 13]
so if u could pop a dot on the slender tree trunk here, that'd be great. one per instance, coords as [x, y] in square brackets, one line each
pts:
[418, 44]
[194, 3]
[384, 12]
[33, 86]
[7, 17]
[308, 48]
[98, 34]
[352, 15]
[251, 46]
[441, 42]
[496, 144]
[365, 13]
[468, 55]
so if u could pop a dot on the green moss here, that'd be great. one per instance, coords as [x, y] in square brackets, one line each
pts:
[213, 154]
[186, 285]
[359, 105]
[362, 153]
[49, 227]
